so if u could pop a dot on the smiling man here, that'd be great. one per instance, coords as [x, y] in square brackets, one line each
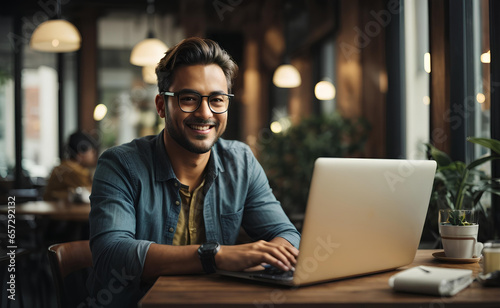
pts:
[174, 203]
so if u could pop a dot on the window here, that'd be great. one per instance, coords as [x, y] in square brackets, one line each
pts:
[417, 69]
[7, 155]
[39, 99]
[40, 114]
[481, 73]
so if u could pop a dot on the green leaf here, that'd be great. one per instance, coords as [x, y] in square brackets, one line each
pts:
[481, 161]
[441, 158]
[491, 144]
[492, 188]
[478, 196]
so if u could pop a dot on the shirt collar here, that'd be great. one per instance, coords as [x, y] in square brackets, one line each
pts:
[164, 170]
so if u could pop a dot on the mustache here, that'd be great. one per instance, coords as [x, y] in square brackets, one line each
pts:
[198, 121]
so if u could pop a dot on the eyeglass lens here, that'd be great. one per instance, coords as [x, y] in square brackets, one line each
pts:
[189, 102]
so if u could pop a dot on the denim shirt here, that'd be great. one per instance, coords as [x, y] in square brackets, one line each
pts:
[135, 201]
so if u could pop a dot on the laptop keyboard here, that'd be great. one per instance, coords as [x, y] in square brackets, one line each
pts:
[271, 272]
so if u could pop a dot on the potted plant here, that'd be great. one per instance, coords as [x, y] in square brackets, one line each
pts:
[459, 187]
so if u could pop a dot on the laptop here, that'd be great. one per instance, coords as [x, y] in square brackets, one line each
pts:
[363, 216]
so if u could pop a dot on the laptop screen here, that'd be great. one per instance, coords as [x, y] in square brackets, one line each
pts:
[363, 216]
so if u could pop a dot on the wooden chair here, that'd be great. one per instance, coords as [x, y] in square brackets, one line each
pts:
[70, 263]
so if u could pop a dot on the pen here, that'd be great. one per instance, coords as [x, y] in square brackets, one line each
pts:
[423, 269]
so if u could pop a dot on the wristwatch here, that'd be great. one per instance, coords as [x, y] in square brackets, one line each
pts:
[207, 252]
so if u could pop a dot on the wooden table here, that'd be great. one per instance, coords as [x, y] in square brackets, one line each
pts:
[366, 291]
[57, 210]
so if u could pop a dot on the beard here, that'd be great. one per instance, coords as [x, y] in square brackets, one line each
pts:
[185, 142]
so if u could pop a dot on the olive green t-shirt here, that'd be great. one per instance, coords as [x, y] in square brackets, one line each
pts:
[190, 226]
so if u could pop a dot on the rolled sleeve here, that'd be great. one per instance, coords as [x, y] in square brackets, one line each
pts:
[244, 196]
[118, 257]
[265, 217]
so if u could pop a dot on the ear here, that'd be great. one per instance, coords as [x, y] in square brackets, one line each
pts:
[160, 105]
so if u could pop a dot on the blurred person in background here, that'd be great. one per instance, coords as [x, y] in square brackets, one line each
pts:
[72, 179]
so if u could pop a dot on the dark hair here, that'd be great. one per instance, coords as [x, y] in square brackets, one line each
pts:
[192, 51]
[80, 142]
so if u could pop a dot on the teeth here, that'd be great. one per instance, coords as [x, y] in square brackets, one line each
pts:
[198, 127]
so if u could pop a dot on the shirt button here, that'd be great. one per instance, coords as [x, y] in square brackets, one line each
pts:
[171, 229]
[177, 202]
[175, 184]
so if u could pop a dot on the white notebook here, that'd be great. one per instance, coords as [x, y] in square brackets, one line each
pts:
[431, 280]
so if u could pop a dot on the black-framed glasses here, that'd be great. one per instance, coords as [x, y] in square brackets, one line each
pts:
[190, 101]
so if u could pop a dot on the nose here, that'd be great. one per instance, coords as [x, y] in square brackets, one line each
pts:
[204, 111]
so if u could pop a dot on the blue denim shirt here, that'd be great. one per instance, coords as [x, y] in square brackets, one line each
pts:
[135, 202]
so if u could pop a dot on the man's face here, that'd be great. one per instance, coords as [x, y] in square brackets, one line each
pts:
[198, 131]
[88, 158]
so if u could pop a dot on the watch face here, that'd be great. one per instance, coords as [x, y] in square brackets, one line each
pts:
[212, 247]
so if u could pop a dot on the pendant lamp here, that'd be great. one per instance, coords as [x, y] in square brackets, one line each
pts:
[150, 50]
[56, 35]
[286, 75]
[324, 90]
[149, 74]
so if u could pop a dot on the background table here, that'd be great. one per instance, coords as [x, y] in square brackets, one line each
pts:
[57, 210]
[367, 291]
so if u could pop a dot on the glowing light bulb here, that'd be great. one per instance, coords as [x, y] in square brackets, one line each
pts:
[276, 127]
[286, 76]
[480, 98]
[486, 57]
[426, 100]
[427, 62]
[324, 90]
[100, 112]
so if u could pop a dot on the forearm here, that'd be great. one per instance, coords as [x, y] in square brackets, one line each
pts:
[178, 260]
[171, 260]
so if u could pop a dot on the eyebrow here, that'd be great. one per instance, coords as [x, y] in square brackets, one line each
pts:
[194, 91]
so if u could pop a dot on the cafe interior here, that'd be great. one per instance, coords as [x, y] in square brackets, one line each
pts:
[338, 78]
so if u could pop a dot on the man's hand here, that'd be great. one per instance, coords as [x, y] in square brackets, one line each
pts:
[277, 253]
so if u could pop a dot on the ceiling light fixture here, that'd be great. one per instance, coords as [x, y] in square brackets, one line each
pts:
[486, 57]
[149, 74]
[150, 50]
[324, 90]
[100, 112]
[56, 35]
[286, 75]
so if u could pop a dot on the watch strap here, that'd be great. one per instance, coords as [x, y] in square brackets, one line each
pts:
[207, 257]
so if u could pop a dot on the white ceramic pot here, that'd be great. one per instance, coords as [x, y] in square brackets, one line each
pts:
[460, 241]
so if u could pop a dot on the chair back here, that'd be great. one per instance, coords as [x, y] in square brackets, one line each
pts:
[70, 263]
